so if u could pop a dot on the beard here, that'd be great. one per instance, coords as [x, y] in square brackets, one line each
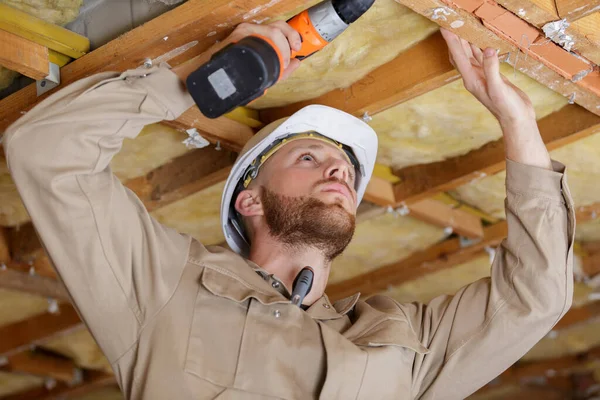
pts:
[308, 222]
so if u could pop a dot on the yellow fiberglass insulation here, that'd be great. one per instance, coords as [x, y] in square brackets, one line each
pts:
[18, 306]
[589, 231]
[382, 240]
[196, 215]
[580, 157]
[59, 12]
[377, 37]
[448, 122]
[16, 383]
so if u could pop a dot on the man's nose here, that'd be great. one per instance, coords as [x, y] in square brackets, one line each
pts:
[337, 169]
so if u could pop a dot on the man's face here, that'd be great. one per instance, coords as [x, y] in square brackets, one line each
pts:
[308, 196]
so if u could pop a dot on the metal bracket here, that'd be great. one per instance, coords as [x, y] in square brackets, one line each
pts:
[49, 82]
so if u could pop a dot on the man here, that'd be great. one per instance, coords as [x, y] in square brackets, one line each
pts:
[178, 320]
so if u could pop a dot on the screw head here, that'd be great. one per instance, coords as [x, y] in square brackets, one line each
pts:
[148, 63]
[43, 83]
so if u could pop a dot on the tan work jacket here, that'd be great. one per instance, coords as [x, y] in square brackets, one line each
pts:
[178, 320]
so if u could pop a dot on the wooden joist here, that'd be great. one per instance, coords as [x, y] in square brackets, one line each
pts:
[417, 70]
[4, 246]
[37, 30]
[182, 176]
[20, 336]
[440, 214]
[13, 279]
[23, 56]
[43, 365]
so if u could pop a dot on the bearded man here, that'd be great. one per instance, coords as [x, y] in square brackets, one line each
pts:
[179, 320]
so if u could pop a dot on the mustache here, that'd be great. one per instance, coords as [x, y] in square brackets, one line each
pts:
[332, 180]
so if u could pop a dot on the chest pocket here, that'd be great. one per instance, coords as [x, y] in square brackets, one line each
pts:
[219, 321]
[390, 347]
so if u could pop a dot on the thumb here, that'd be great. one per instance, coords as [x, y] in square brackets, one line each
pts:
[491, 69]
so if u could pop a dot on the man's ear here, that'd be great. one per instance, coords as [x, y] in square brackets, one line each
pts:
[248, 203]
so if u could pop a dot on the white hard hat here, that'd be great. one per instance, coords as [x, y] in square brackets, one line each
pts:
[355, 137]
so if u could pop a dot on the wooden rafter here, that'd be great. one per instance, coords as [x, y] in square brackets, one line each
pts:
[417, 70]
[24, 56]
[43, 365]
[13, 279]
[19, 336]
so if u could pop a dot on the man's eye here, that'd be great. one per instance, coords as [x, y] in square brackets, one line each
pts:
[307, 157]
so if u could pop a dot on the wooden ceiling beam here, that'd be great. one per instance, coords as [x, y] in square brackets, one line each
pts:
[24, 56]
[43, 365]
[4, 246]
[547, 63]
[20, 336]
[13, 279]
[579, 315]
[558, 129]
[417, 70]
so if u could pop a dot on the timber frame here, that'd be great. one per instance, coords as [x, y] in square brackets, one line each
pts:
[420, 189]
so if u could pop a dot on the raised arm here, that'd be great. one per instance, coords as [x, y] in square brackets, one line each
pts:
[488, 325]
[118, 264]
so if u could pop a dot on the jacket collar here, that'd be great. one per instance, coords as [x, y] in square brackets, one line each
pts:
[237, 278]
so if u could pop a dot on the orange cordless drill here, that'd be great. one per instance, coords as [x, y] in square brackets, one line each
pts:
[243, 71]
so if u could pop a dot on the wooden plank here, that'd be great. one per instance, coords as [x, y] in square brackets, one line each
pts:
[19, 336]
[92, 381]
[575, 9]
[35, 284]
[37, 30]
[182, 176]
[196, 23]
[539, 66]
[25, 57]
[579, 315]
[4, 246]
[436, 258]
[536, 12]
[35, 363]
[418, 182]
[587, 213]
[440, 214]
[417, 70]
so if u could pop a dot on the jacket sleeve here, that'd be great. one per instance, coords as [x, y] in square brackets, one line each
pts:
[488, 325]
[119, 265]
